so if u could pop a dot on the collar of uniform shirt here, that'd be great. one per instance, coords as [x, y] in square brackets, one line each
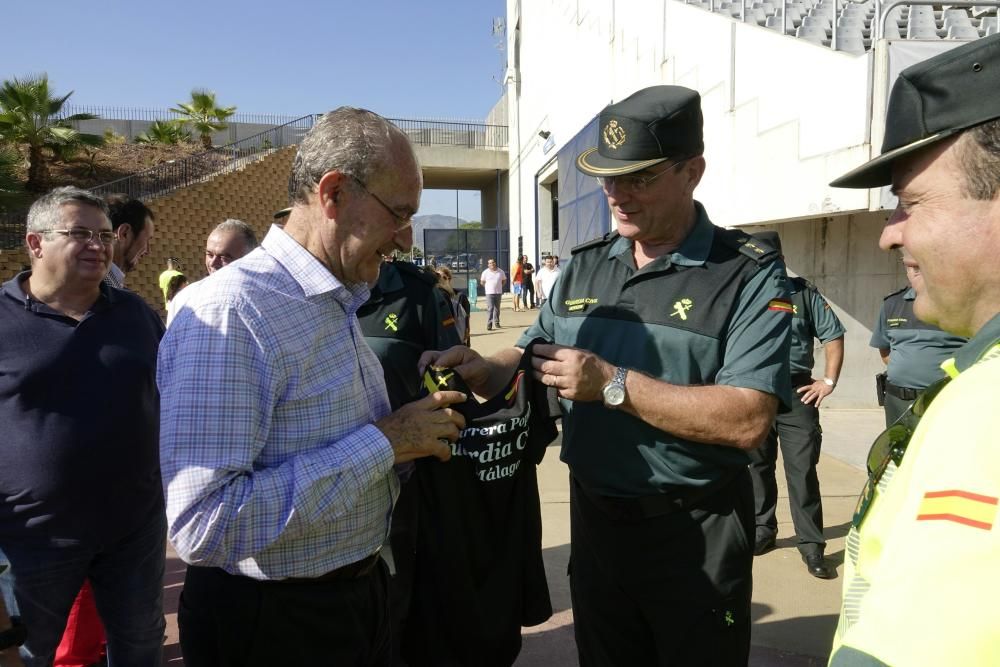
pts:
[978, 345]
[310, 273]
[692, 252]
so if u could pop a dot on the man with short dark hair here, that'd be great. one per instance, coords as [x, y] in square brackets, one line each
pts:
[670, 354]
[133, 224]
[230, 240]
[80, 493]
[278, 440]
[920, 584]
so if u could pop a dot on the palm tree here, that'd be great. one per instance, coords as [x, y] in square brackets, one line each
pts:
[164, 132]
[11, 192]
[29, 114]
[203, 115]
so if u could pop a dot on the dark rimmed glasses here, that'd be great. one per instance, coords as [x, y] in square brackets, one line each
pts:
[83, 235]
[401, 220]
[890, 446]
[634, 182]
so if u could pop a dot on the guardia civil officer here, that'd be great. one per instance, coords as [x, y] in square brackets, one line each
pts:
[670, 343]
[911, 349]
[920, 572]
[798, 430]
[405, 315]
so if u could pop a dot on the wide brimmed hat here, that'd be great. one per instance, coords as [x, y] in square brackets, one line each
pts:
[931, 101]
[648, 127]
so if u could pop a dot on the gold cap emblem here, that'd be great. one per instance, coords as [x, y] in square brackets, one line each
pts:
[614, 135]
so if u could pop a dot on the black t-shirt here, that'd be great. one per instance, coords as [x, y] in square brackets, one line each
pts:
[479, 574]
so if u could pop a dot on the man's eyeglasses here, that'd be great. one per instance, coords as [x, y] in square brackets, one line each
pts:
[84, 235]
[634, 182]
[891, 444]
[402, 220]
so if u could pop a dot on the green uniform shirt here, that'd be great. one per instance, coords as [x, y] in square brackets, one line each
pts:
[812, 318]
[405, 315]
[916, 349]
[715, 311]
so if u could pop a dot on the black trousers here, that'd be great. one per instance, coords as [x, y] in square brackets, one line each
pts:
[233, 621]
[800, 437]
[528, 292]
[668, 590]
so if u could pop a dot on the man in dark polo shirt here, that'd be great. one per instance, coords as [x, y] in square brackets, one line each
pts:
[798, 429]
[405, 315]
[670, 354]
[911, 349]
[80, 492]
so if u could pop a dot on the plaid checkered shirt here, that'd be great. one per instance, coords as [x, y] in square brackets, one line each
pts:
[272, 466]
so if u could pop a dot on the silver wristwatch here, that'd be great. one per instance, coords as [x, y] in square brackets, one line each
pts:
[614, 391]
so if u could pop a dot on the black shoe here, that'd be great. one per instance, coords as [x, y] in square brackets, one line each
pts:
[489, 327]
[817, 566]
[763, 544]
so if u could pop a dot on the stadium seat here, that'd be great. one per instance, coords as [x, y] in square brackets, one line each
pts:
[850, 43]
[962, 32]
[921, 31]
[813, 34]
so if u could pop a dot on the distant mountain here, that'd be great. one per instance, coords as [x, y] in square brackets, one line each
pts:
[435, 221]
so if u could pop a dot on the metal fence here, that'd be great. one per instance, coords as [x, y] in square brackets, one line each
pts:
[466, 252]
[175, 174]
[12, 226]
[449, 133]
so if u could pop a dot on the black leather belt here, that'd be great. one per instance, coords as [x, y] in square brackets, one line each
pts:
[902, 393]
[679, 499]
[361, 568]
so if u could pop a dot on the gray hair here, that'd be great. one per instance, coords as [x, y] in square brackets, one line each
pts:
[44, 213]
[240, 227]
[355, 142]
[979, 158]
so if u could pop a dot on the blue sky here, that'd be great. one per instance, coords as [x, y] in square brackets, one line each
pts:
[400, 58]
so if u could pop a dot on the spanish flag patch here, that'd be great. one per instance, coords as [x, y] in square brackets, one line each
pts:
[448, 322]
[968, 509]
[783, 305]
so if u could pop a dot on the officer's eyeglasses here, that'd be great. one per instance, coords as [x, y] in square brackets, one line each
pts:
[84, 235]
[890, 446]
[402, 220]
[634, 182]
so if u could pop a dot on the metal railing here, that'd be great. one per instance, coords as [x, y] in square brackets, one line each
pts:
[164, 178]
[450, 133]
[12, 227]
[137, 113]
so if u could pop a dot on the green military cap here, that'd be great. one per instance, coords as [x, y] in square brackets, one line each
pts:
[650, 126]
[933, 100]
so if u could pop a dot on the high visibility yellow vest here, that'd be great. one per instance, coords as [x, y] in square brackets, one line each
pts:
[922, 575]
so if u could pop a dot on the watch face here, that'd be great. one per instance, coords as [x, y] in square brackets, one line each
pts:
[614, 394]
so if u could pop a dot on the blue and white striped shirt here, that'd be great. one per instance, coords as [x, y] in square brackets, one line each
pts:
[272, 466]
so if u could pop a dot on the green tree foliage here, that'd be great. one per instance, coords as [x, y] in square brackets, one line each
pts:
[170, 132]
[11, 191]
[29, 114]
[203, 115]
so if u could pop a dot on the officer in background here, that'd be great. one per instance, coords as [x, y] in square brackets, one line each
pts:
[911, 349]
[798, 430]
[920, 567]
[669, 350]
[405, 315]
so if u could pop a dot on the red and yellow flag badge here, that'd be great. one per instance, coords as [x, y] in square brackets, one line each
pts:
[448, 322]
[968, 509]
[783, 305]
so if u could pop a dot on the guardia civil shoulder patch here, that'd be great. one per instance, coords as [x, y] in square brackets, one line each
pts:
[963, 507]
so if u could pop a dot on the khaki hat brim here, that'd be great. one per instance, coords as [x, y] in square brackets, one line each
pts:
[594, 164]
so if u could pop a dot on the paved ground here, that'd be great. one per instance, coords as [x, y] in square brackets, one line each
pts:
[794, 614]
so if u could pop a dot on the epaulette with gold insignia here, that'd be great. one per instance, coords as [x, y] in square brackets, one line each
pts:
[610, 237]
[757, 250]
[411, 269]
